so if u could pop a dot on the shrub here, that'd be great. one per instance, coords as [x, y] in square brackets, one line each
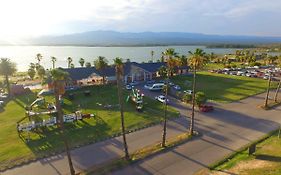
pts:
[200, 98]
[186, 98]
[233, 65]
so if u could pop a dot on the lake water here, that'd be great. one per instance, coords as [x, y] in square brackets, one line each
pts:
[24, 55]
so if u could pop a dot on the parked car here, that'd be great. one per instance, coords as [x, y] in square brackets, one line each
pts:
[2, 103]
[134, 83]
[206, 108]
[188, 91]
[150, 82]
[240, 73]
[162, 99]
[171, 84]
[129, 87]
[154, 87]
[177, 87]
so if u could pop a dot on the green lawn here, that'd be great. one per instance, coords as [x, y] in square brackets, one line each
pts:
[267, 160]
[223, 88]
[106, 123]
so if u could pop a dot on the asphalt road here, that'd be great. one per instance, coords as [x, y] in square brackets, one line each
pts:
[224, 130]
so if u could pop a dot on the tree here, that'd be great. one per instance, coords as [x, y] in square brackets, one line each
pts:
[187, 98]
[7, 68]
[119, 75]
[39, 57]
[171, 57]
[200, 98]
[31, 73]
[152, 54]
[100, 64]
[277, 91]
[58, 79]
[164, 73]
[267, 91]
[88, 64]
[279, 84]
[69, 61]
[32, 66]
[53, 59]
[196, 61]
[183, 60]
[81, 62]
[41, 72]
[72, 65]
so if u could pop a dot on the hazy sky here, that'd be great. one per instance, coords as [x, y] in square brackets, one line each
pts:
[24, 18]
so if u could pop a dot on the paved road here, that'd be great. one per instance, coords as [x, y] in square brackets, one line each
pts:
[226, 129]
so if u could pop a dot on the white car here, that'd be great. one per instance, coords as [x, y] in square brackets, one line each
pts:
[162, 99]
[188, 92]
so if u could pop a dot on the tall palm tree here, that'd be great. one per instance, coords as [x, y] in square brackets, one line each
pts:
[267, 92]
[119, 75]
[100, 64]
[58, 79]
[196, 62]
[183, 60]
[69, 61]
[7, 68]
[164, 73]
[279, 84]
[82, 62]
[39, 57]
[53, 59]
[277, 91]
[152, 54]
[171, 57]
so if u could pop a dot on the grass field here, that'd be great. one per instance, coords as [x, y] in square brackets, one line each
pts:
[267, 160]
[223, 88]
[13, 148]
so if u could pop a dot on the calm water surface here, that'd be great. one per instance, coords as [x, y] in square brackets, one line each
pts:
[24, 55]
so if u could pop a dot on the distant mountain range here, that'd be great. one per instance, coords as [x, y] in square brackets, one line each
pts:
[113, 38]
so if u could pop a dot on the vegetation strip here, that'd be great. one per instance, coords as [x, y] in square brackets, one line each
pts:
[140, 154]
[244, 148]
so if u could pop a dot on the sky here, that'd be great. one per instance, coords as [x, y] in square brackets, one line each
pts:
[33, 18]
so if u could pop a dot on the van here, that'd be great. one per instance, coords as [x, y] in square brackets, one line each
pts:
[156, 87]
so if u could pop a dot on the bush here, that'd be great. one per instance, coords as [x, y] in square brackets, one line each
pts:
[186, 98]
[200, 98]
[233, 65]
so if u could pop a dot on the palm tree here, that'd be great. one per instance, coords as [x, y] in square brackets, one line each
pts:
[267, 91]
[7, 68]
[171, 57]
[81, 62]
[69, 61]
[196, 62]
[58, 78]
[88, 64]
[277, 90]
[100, 64]
[119, 75]
[279, 84]
[152, 54]
[183, 60]
[39, 57]
[164, 73]
[53, 59]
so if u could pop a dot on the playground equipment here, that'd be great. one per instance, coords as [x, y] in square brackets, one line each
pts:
[39, 102]
[33, 113]
[136, 97]
[67, 118]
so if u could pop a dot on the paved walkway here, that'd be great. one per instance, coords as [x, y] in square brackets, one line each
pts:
[226, 129]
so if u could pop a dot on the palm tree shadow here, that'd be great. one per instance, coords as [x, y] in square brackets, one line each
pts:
[268, 157]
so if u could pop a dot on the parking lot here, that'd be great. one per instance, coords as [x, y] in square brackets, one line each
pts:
[255, 72]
